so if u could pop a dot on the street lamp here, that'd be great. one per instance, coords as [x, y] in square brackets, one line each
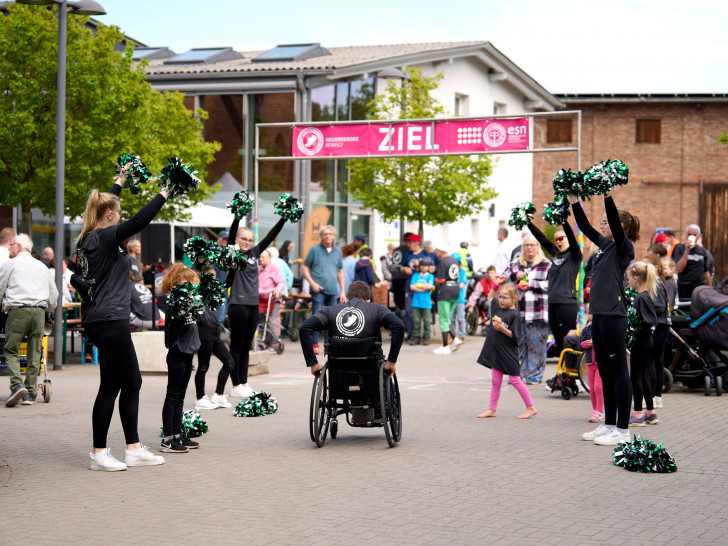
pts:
[82, 7]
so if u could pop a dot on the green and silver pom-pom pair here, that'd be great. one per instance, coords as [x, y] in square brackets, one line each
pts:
[198, 250]
[181, 177]
[643, 456]
[259, 404]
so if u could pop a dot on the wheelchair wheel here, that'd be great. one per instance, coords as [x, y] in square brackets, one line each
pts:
[280, 347]
[583, 374]
[390, 406]
[293, 334]
[334, 428]
[668, 381]
[566, 393]
[319, 413]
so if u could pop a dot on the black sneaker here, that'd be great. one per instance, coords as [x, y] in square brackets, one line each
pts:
[185, 441]
[173, 446]
[414, 341]
[28, 400]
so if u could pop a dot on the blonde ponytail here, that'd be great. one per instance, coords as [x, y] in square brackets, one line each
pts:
[647, 274]
[97, 204]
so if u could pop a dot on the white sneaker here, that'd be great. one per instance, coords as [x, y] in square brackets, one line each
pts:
[445, 350]
[205, 403]
[242, 391]
[613, 438]
[142, 457]
[657, 402]
[247, 391]
[221, 400]
[105, 461]
[599, 431]
[455, 344]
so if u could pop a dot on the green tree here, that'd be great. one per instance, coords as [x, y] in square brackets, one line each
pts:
[110, 110]
[422, 189]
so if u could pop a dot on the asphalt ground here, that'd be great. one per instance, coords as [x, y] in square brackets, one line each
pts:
[452, 478]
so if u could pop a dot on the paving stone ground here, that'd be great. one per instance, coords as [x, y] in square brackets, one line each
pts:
[452, 479]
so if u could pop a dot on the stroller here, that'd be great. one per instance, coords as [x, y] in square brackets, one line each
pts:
[698, 343]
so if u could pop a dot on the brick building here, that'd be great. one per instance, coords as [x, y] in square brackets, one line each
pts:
[670, 142]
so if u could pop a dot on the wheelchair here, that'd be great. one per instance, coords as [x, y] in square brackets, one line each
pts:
[358, 387]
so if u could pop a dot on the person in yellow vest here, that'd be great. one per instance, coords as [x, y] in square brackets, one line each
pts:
[466, 260]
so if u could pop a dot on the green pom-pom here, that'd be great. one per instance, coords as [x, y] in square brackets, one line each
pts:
[289, 208]
[198, 249]
[181, 177]
[259, 404]
[241, 260]
[211, 291]
[184, 302]
[242, 204]
[223, 257]
[635, 325]
[521, 215]
[568, 182]
[643, 456]
[136, 174]
[557, 212]
[604, 176]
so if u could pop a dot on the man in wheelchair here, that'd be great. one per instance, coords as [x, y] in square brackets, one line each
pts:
[354, 329]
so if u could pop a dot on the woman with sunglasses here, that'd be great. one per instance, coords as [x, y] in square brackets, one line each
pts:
[243, 307]
[565, 261]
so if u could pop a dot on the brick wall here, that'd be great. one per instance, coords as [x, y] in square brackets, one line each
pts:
[664, 179]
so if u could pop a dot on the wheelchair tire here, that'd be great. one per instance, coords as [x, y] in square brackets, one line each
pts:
[667, 387]
[566, 393]
[334, 429]
[280, 347]
[583, 373]
[390, 406]
[293, 334]
[319, 412]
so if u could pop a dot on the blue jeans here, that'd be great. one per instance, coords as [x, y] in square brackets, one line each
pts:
[318, 301]
[458, 320]
[222, 310]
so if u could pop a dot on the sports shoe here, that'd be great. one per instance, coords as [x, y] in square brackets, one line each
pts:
[456, 342]
[16, 396]
[596, 433]
[237, 392]
[187, 442]
[651, 418]
[205, 403]
[315, 349]
[142, 457]
[413, 341]
[247, 391]
[28, 400]
[105, 461]
[636, 421]
[221, 400]
[445, 350]
[426, 341]
[173, 446]
[596, 417]
[613, 438]
[657, 402]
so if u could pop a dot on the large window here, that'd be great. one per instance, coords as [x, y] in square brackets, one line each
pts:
[648, 131]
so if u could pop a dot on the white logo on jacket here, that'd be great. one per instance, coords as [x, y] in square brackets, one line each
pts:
[350, 321]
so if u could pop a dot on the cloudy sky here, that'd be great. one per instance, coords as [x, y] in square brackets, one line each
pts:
[569, 46]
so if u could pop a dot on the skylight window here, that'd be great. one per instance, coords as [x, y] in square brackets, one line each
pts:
[292, 52]
[205, 55]
[152, 53]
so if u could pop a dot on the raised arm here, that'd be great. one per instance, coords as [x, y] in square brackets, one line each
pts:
[583, 222]
[614, 223]
[141, 219]
[272, 234]
[542, 239]
[574, 248]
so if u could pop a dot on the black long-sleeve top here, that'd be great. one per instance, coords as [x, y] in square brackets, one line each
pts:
[104, 263]
[564, 265]
[609, 263]
[245, 284]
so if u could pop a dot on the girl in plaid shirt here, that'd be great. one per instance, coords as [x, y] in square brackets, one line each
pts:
[530, 273]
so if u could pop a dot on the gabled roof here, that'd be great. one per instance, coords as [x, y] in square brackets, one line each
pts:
[354, 61]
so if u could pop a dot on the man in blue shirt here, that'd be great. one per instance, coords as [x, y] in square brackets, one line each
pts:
[409, 267]
[323, 268]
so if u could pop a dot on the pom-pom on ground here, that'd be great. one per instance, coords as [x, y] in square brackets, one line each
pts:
[259, 404]
[643, 456]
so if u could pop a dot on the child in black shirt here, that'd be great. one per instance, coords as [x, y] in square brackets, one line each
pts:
[500, 350]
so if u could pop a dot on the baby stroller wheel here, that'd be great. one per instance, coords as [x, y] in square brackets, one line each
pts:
[566, 393]
[668, 381]
[706, 385]
[718, 385]
[47, 391]
[280, 347]
[293, 334]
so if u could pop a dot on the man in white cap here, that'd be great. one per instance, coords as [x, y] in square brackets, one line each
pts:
[447, 279]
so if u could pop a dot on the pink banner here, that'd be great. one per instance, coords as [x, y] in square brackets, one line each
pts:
[437, 137]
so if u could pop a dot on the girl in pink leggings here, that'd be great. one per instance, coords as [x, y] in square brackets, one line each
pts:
[500, 350]
[595, 380]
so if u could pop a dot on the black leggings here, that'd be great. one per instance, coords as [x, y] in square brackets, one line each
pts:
[399, 288]
[120, 376]
[638, 363]
[611, 354]
[179, 370]
[243, 322]
[562, 318]
[656, 368]
[211, 344]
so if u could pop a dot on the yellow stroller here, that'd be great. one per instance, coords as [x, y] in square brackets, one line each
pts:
[566, 377]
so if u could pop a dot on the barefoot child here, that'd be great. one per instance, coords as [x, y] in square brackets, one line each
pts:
[500, 350]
